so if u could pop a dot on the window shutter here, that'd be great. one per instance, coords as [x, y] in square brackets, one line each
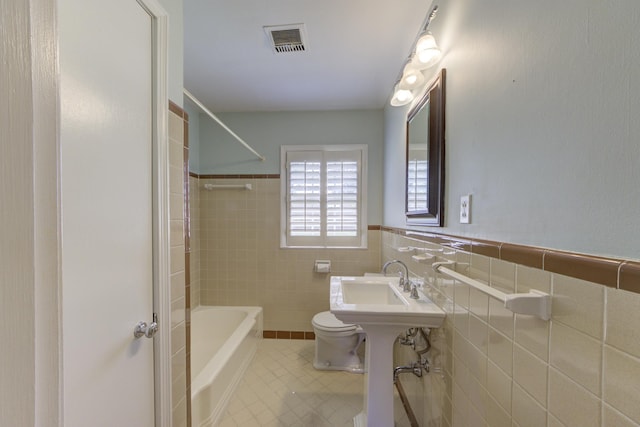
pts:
[324, 192]
[304, 198]
[342, 198]
[417, 188]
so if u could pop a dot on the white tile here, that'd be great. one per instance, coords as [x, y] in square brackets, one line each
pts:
[177, 312]
[554, 422]
[572, 404]
[461, 294]
[577, 355]
[282, 388]
[478, 333]
[479, 268]
[178, 338]
[528, 278]
[499, 385]
[501, 318]
[460, 407]
[530, 373]
[478, 397]
[461, 321]
[179, 414]
[526, 411]
[623, 318]
[477, 363]
[176, 128]
[496, 415]
[532, 333]
[614, 418]
[176, 181]
[622, 382]
[500, 350]
[579, 304]
[461, 374]
[479, 304]
[475, 417]
[503, 275]
[176, 154]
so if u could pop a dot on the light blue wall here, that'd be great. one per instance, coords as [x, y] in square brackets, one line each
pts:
[542, 124]
[394, 159]
[219, 153]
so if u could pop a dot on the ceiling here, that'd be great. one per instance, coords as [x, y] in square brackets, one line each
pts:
[355, 51]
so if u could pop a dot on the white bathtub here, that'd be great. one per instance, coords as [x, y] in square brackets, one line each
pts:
[223, 342]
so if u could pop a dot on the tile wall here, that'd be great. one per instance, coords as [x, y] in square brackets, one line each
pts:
[492, 368]
[178, 272]
[241, 262]
[194, 202]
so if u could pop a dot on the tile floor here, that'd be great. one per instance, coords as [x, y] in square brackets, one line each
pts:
[281, 388]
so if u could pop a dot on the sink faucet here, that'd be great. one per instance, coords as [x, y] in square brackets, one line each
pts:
[404, 279]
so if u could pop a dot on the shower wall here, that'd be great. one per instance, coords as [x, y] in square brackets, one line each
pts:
[236, 257]
[194, 261]
[241, 262]
[178, 153]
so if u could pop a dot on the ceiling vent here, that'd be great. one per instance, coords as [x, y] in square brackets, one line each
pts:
[287, 38]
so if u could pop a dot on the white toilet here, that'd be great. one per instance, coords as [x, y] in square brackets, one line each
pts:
[337, 344]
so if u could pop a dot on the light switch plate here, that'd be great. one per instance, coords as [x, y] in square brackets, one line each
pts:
[465, 209]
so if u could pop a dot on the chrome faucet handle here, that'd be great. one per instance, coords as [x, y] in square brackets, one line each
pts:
[414, 291]
[401, 280]
[406, 285]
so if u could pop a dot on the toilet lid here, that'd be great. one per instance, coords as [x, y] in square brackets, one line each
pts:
[328, 322]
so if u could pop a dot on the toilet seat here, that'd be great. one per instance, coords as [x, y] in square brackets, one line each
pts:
[327, 322]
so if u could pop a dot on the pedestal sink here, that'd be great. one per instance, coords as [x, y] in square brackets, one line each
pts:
[377, 304]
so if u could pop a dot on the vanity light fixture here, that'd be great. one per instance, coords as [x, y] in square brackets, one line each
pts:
[425, 54]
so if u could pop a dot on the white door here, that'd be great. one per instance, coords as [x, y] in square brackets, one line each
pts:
[106, 135]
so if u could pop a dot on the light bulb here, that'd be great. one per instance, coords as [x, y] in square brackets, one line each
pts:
[401, 97]
[427, 52]
[427, 41]
[404, 95]
[429, 56]
[412, 78]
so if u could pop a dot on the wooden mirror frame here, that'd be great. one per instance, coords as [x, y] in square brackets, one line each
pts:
[434, 214]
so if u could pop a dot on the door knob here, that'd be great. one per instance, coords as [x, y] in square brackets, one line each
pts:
[140, 329]
[144, 330]
[151, 330]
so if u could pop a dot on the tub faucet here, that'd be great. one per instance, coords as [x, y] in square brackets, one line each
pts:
[404, 279]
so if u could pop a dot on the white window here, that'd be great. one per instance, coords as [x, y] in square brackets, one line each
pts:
[323, 196]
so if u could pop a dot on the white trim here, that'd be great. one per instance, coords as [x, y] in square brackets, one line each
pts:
[161, 284]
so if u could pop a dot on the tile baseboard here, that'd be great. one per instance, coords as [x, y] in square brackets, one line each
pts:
[289, 335]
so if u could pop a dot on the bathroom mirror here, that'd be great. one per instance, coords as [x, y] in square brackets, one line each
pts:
[424, 201]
